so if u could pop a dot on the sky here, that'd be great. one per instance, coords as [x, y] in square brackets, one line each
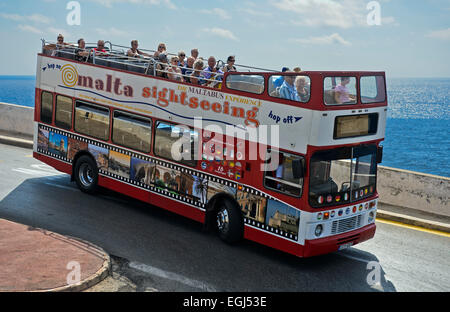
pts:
[411, 40]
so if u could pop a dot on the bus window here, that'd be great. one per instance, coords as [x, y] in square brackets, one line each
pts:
[92, 120]
[290, 87]
[64, 107]
[373, 89]
[132, 131]
[46, 107]
[167, 135]
[287, 177]
[247, 83]
[339, 90]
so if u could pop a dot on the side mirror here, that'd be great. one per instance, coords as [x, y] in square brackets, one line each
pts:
[379, 154]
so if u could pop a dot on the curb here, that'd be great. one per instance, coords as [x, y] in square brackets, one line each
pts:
[427, 224]
[92, 280]
[16, 142]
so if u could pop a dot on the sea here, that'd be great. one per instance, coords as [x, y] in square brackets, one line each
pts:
[417, 130]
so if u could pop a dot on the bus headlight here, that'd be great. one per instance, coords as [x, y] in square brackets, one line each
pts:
[319, 229]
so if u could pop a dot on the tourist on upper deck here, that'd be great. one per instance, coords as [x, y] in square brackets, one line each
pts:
[188, 68]
[161, 49]
[81, 54]
[100, 49]
[162, 65]
[300, 85]
[287, 89]
[297, 70]
[194, 53]
[279, 81]
[212, 72]
[196, 77]
[230, 65]
[134, 51]
[341, 93]
[59, 45]
[181, 57]
[174, 72]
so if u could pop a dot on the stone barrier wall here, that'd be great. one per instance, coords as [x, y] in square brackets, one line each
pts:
[16, 120]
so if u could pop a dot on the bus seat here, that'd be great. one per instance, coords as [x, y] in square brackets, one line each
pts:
[328, 97]
[276, 92]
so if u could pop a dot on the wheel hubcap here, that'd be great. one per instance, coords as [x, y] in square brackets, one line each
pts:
[222, 220]
[85, 174]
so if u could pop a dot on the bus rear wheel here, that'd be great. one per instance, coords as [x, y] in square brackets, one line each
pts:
[86, 174]
[229, 222]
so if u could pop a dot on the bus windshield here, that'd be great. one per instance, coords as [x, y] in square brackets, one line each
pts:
[342, 175]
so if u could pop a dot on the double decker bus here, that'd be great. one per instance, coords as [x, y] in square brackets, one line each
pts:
[111, 121]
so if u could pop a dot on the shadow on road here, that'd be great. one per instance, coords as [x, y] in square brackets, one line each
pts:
[141, 233]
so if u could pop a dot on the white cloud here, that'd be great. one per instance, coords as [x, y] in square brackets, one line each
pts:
[109, 3]
[224, 33]
[324, 40]
[443, 34]
[341, 14]
[111, 32]
[29, 28]
[36, 18]
[223, 14]
[254, 12]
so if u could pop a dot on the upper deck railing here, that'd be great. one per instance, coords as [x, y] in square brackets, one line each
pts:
[116, 57]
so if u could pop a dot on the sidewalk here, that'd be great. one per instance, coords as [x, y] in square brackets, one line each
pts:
[414, 217]
[33, 259]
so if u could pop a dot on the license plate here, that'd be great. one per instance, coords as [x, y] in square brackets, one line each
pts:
[345, 246]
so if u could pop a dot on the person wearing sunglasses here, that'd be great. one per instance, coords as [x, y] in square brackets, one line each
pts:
[60, 44]
[100, 49]
[230, 65]
[161, 49]
[174, 72]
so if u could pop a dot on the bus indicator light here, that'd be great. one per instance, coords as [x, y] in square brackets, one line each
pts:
[326, 215]
[319, 216]
[320, 200]
[338, 198]
[360, 207]
[329, 199]
[354, 209]
[341, 212]
[332, 214]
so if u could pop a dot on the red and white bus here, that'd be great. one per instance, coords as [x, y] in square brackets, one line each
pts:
[109, 121]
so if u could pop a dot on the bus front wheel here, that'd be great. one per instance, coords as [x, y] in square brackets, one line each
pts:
[86, 174]
[229, 222]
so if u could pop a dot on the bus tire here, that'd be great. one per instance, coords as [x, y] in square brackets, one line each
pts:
[229, 222]
[86, 174]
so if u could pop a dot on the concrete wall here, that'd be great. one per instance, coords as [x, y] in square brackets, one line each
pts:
[396, 187]
[16, 120]
[414, 190]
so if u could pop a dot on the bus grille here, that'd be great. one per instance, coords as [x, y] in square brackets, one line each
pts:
[345, 225]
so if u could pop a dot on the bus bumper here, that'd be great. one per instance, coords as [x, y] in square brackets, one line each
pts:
[334, 243]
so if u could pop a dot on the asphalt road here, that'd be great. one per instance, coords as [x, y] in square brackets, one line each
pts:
[158, 249]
